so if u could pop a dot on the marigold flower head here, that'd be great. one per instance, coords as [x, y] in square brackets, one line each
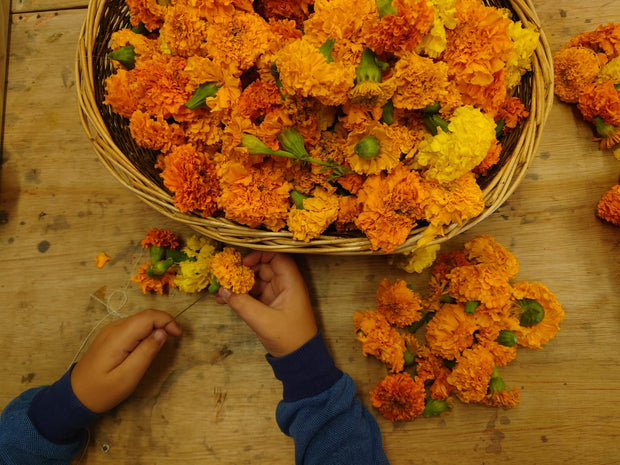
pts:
[453, 202]
[416, 260]
[512, 112]
[400, 305]
[295, 10]
[190, 175]
[573, 69]
[228, 268]
[450, 332]
[380, 339]
[608, 208]
[482, 283]
[118, 95]
[503, 399]
[157, 284]
[485, 249]
[600, 99]
[490, 160]
[471, 374]
[160, 238]
[194, 275]
[184, 31]
[610, 71]
[155, 134]
[333, 19]
[143, 46]
[605, 39]
[148, 12]
[449, 155]
[446, 262]
[525, 39]
[430, 367]
[318, 212]
[537, 335]
[399, 397]
[385, 157]
[435, 41]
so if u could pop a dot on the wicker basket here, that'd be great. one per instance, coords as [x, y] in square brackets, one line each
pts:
[112, 141]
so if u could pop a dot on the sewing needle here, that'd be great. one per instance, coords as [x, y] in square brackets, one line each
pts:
[174, 318]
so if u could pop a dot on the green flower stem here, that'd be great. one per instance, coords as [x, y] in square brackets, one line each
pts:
[435, 407]
[214, 286]
[159, 268]
[602, 128]
[326, 49]
[432, 108]
[387, 116]
[204, 91]
[497, 383]
[433, 121]
[426, 317]
[409, 357]
[126, 56]
[156, 253]
[470, 306]
[298, 199]
[369, 68]
[386, 8]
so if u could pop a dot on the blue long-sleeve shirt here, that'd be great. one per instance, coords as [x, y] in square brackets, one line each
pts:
[319, 410]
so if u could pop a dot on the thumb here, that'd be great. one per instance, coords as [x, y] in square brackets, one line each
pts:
[255, 313]
[138, 361]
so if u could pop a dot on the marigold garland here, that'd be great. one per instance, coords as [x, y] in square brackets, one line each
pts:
[216, 87]
[471, 321]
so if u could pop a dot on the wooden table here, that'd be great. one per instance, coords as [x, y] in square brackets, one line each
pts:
[210, 396]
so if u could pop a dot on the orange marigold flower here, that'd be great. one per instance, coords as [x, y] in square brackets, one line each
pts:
[390, 206]
[348, 209]
[600, 99]
[447, 261]
[486, 336]
[118, 95]
[228, 268]
[380, 339]
[200, 70]
[318, 212]
[385, 153]
[143, 46]
[333, 19]
[482, 283]
[101, 259]
[158, 284]
[255, 195]
[485, 249]
[430, 367]
[160, 238]
[491, 159]
[512, 112]
[259, 98]
[400, 305]
[155, 134]
[573, 69]
[453, 202]
[608, 208]
[450, 331]
[504, 399]
[399, 397]
[471, 374]
[538, 334]
[402, 31]
[184, 31]
[296, 10]
[148, 12]
[420, 81]
[190, 175]
[604, 39]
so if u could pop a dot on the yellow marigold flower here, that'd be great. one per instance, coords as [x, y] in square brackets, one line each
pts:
[434, 42]
[399, 397]
[485, 249]
[610, 72]
[525, 41]
[453, 202]
[380, 339]
[416, 260]
[472, 374]
[400, 305]
[450, 331]
[608, 208]
[228, 268]
[538, 334]
[372, 151]
[449, 155]
[305, 72]
[194, 275]
[319, 211]
[573, 69]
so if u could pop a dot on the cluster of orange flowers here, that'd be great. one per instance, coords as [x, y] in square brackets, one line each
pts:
[198, 265]
[587, 73]
[451, 342]
[305, 116]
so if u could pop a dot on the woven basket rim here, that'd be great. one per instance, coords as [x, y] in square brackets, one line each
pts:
[498, 187]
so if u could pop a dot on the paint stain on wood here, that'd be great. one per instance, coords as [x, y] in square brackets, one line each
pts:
[27, 379]
[43, 246]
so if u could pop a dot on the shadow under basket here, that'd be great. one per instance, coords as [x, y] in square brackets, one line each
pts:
[134, 167]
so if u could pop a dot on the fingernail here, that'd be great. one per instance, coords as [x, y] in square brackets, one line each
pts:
[225, 294]
[160, 335]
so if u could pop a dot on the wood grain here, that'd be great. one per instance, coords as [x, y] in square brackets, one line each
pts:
[210, 396]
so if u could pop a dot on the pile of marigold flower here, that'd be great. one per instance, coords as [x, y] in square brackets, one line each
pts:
[450, 343]
[347, 115]
[199, 264]
[587, 73]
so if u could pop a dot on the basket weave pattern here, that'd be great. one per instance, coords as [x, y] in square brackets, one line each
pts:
[134, 166]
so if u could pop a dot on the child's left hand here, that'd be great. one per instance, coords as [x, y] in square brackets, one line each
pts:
[117, 359]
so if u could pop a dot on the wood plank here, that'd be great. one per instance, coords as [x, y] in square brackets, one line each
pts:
[59, 208]
[29, 6]
[4, 53]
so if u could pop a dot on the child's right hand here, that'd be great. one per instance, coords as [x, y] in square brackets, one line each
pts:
[278, 307]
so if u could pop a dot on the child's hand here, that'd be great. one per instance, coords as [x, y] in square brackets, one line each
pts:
[278, 308]
[115, 362]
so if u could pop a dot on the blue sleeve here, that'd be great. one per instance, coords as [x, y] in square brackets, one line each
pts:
[321, 412]
[44, 426]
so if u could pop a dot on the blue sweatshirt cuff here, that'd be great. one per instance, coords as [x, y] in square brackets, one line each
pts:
[305, 372]
[57, 414]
